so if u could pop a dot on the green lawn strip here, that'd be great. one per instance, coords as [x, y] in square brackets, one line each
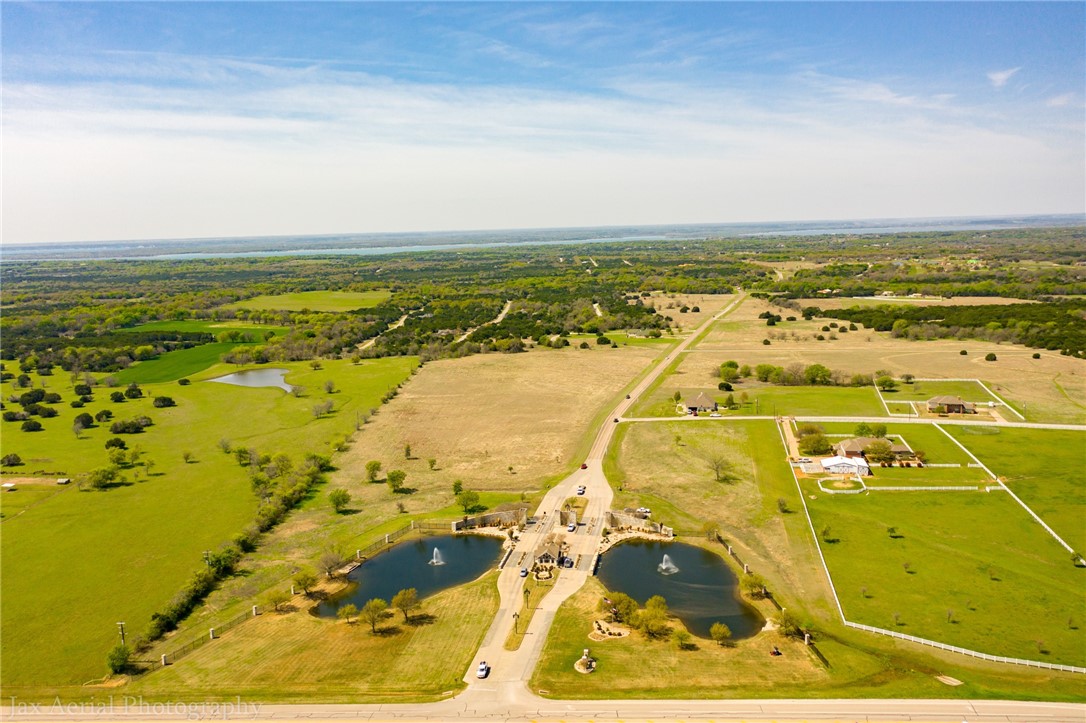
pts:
[923, 391]
[25, 496]
[808, 401]
[174, 365]
[1007, 590]
[145, 539]
[622, 338]
[297, 657]
[1044, 467]
[927, 477]
[537, 590]
[315, 301]
[210, 327]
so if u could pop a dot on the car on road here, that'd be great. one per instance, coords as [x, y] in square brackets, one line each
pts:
[483, 670]
[568, 562]
[584, 465]
[571, 527]
[581, 490]
[524, 572]
[715, 414]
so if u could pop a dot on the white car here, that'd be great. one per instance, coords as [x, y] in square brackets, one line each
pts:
[715, 414]
[572, 527]
[580, 490]
[644, 510]
[483, 670]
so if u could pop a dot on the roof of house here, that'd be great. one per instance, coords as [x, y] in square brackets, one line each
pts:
[552, 549]
[702, 400]
[850, 461]
[859, 444]
[947, 399]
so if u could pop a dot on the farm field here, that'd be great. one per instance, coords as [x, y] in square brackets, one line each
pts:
[175, 365]
[763, 399]
[146, 536]
[927, 477]
[210, 327]
[295, 656]
[314, 301]
[1015, 593]
[665, 466]
[1043, 467]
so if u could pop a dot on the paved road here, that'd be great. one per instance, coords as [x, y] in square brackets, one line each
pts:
[882, 420]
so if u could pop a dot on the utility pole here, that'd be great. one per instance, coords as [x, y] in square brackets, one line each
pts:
[120, 626]
[516, 618]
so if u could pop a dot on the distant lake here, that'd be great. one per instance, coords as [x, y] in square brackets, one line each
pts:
[256, 378]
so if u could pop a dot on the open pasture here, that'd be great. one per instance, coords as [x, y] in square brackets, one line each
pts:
[944, 573]
[175, 365]
[210, 327]
[314, 301]
[1044, 467]
[1049, 389]
[81, 560]
[671, 305]
[761, 399]
[921, 391]
[296, 656]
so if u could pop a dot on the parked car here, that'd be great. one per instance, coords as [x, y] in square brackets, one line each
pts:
[568, 562]
[584, 465]
[644, 510]
[483, 670]
[715, 414]
[571, 527]
[524, 572]
[804, 460]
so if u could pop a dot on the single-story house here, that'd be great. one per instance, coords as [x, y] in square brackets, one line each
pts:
[855, 447]
[548, 554]
[951, 405]
[846, 465]
[701, 403]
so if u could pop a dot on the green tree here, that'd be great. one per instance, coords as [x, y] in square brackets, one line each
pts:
[339, 498]
[752, 584]
[788, 624]
[863, 429]
[620, 605]
[653, 619]
[347, 612]
[468, 499]
[886, 383]
[677, 396]
[405, 601]
[814, 444]
[878, 430]
[407, 451]
[102, 477]
[305, 579]
[720, 633]
[373, 467]
[277, 599]
[431, 463]
[373, 611]
[681, 638]
[817, 374]
[457, 488]
[879, 451]
[118, 659]
[396, 478]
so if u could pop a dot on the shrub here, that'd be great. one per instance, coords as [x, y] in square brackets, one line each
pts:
[11, 460]
[133, 391]
[103, 416]
[766, 342]
[1036, 355]
[963, 352]
[116, 397]
[990, 356]
[76, 403]
[164, 402]
[31, 425]
[118, 659]
[724, 387]
[183, 381]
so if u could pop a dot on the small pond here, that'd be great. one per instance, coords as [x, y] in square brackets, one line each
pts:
[462, 558]
[699, 587]
[256, 378]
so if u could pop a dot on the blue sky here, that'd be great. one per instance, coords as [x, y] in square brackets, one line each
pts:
[131, 120]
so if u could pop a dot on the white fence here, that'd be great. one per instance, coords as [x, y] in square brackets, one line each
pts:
[965, 651]
[923, 488]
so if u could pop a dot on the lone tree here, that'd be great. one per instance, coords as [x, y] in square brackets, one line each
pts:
[622, 607]
[373, 611]
[372, 468]
[886, 383]
[329, 386]
[721, 634]
[305, 579]
[330, 561]
[788, 625]
[395, 479]
[405, 601]
[432, 463]
[407, 451]
[719, 465]
[879, 451]
[118, 659]
[468, 499]
[339, 498]
[277, 599]
[457, 488]
[347, 612]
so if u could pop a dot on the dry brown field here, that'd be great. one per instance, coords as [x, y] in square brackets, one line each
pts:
[1051, 389]
[837, 302]
[708, 304]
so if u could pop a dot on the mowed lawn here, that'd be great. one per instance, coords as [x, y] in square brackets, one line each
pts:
[80, 561]
[761, 399]
[923, 391]
[315, 301]
[210, 327]
[175, 365]
[1007, 586]
[299, 657]
[1044, 467]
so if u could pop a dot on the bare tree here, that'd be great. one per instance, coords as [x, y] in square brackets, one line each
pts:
[719, 465]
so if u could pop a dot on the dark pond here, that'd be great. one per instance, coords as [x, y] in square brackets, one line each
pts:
[256, 378]
[699, 587]
[409, 564]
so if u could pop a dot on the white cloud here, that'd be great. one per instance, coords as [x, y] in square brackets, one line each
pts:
[1059, 101]
[999, 78]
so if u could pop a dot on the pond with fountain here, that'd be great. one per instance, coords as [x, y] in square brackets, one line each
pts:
[698, 585]
[429, 565]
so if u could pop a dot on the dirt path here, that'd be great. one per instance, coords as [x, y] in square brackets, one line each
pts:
[496, 320]
[395, 325]
[599, 311]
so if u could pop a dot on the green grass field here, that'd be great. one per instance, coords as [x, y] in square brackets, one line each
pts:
[939, 448]
[923, 391]
[768, 400]
[210, 327]
[299, 657]
[1010, 589]
[927, 477]
[175, 364]
[1042, 466]
[315, 301]
[79, 561]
